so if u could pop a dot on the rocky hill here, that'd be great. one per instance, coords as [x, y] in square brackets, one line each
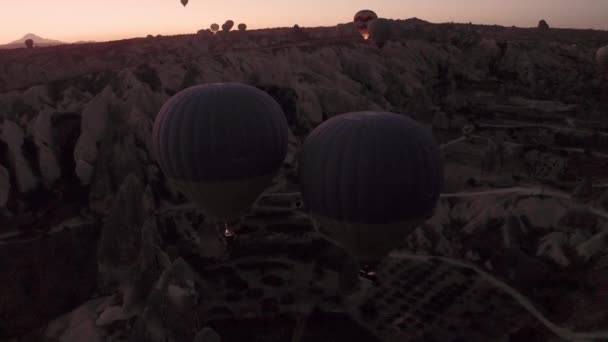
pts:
[96, 245]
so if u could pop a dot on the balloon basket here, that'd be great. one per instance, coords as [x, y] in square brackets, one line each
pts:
[226, 232]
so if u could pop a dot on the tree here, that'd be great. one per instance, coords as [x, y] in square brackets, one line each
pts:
[542, 25]
[29, 43]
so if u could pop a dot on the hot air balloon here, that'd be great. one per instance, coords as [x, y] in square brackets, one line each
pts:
[221, 145]
[362, 19]
[215, 28]
[184, 2]
[242, 27]
[380, 31]
[227, 26]
[204, 33]
[29, 43]
[369, 179]
[601, 57]
[542, 25]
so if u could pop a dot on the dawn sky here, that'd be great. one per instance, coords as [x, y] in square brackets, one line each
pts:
[72, 20]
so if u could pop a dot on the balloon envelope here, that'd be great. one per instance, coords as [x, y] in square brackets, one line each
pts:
[227, 26]
[380, 31]
[369, 178]
[215, 27]
[362, 19]
[242, 27]
[221, 145]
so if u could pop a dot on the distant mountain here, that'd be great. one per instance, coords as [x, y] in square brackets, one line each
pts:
[38, 41]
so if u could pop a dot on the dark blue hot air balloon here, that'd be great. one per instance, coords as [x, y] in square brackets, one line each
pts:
[221, 145]
[369, 179]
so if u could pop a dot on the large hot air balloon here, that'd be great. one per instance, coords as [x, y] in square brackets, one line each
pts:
[601, 57]
[184, 2]
[380, 31]
[369, 179]
[242, 27]
[221, 145]
[362, 19]
[215, 28]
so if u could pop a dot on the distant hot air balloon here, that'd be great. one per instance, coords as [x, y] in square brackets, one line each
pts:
[227, 26]
[380, 31]
[29, 43]
[369, 179]
[542, 25]
[215, 28]
[601, 57]
[184, 2]
[204, 33]
[221, 144]
[362, 19]
[242, 27]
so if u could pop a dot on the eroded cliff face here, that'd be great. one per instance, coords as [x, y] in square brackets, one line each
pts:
[75, 147]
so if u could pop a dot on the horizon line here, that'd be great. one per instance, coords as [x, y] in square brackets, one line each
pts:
[282, 27]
